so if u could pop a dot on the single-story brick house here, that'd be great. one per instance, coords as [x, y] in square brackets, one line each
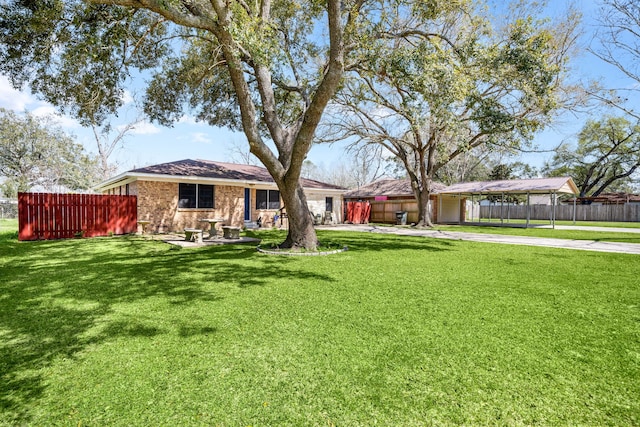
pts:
[175, 195]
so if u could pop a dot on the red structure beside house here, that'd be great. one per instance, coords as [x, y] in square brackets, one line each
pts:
[45, 216]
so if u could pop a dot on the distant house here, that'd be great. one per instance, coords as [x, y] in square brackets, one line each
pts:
[179, 194]
[608, 199]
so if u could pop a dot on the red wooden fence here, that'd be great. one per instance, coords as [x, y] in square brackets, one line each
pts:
[60, 216]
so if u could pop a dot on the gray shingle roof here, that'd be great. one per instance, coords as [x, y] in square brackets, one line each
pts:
[389, 188]
[221, 170]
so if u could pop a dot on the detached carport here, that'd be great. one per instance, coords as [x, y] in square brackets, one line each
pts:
[451, 198]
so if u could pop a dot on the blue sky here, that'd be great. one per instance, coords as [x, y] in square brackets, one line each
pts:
[150, 143]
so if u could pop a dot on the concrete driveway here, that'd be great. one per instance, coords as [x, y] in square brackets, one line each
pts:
[585, 245]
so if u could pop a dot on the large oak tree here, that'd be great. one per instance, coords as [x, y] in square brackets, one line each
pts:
[268, 68]
[36, 153]
[432, 92]
[607, 155]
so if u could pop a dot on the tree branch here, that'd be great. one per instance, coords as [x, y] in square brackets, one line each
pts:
[171, 11]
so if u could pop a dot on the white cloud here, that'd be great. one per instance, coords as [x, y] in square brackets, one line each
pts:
[20, 101]
[45, 110]
[143, 128]
[190, 120]
[127, 98]
[201, 138]
[12, 99]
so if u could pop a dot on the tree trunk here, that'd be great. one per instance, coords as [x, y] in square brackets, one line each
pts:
[424, 217]
[301, 234]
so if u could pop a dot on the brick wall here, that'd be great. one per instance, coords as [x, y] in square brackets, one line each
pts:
[158, 203]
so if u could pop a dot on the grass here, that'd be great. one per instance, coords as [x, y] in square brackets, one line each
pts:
[396, 331]
[8, 225]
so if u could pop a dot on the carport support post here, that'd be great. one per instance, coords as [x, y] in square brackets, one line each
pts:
[553, 213]
[501, 208]
[528, 209]
[472, 209]
[575, 198]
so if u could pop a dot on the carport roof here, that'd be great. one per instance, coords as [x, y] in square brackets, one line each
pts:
[398, 187]
[388, 187]
[533, 186]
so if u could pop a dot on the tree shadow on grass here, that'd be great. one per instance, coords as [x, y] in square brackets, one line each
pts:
[365, 241]
[56, 299]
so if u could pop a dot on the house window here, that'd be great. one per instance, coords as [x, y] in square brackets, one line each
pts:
[205, 196]
[328, 204]
[193, 196]
[267, 199]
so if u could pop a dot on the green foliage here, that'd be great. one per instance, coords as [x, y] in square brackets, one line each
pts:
[462, 80]
[501, 172]
[81, 56]
[36, 152]
[9, 188]
[607, 156]
[522, 170]
[77, 56]
[197, 80]
[396, 331]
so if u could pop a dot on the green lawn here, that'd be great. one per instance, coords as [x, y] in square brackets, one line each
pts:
[397, 331]
[7, 225]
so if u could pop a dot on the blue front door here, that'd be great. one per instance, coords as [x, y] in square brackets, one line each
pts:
[247, 204]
